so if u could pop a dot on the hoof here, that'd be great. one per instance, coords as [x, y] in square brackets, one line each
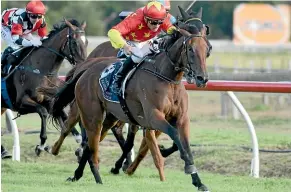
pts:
[129, 172]
[114, 171]
[54, 152]
[203, 188]
[37, 150]
[71, 179]
[48, 149]
[125, 166]
[78, 138]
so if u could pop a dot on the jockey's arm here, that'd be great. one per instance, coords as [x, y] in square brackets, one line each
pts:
[123, 28]
[16, 33]
[168, 27]
[42, 31]
[117, 41]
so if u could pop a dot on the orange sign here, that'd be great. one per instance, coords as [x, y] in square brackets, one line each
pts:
[261, 24]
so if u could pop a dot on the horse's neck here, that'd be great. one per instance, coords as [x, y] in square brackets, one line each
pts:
[49, 61]
[167, 61]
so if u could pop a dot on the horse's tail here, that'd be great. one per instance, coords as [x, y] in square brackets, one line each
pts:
[63, 98]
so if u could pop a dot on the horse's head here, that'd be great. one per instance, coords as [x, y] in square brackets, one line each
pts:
[77, 41]
[70, 35]
[196, 47]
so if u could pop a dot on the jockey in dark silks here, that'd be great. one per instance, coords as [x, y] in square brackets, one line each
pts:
[17, 26]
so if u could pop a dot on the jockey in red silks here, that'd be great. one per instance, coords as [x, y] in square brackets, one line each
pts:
[19, 23]
[133, 35]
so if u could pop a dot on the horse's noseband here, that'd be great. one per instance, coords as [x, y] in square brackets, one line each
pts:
[70, 57]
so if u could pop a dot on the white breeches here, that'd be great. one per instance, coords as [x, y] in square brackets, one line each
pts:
[8, 38]
[142, 49]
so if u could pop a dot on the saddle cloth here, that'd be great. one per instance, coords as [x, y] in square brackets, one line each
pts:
[106, 80]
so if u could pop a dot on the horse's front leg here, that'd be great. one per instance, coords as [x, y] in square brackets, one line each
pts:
[183, 127]
[29, 106]
[159, 122]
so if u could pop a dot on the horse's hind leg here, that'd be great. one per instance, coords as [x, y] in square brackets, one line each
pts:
[71, 121]
[144, 147]
[79, 151]
[74, 131]
[92, 119]
[157, 157]
[126, 148]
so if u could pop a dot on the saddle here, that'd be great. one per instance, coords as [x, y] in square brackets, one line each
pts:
[11, 58]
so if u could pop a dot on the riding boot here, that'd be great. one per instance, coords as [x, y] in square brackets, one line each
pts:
[120, 75]
[4, 153]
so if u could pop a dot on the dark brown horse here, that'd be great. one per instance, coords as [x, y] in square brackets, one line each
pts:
[40, 66]
[163, 106]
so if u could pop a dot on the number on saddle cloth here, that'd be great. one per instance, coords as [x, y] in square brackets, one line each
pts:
[106, 80]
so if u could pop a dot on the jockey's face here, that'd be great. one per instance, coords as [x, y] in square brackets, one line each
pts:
[153, 24]
[34, 17]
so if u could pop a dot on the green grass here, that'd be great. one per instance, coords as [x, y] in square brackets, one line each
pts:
[27, 177]
[223, 168]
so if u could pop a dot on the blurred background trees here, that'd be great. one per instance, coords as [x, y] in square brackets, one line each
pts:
[102, 15]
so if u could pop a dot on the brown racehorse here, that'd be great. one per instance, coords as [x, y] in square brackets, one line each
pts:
[40, 66]
[161, 107]
[149, 141]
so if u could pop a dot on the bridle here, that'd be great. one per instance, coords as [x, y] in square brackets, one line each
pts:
[68, 44]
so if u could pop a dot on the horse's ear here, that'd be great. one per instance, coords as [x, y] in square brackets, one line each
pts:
[70, 24]
[199, 14]
[83, 25]
[184, 14]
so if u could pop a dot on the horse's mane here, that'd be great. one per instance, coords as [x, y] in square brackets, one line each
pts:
[169, 40]
[61, 25]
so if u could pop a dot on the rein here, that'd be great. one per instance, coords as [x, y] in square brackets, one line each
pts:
[184, 54]
[69, 57]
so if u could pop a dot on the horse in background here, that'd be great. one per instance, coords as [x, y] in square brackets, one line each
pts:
[40, 66]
